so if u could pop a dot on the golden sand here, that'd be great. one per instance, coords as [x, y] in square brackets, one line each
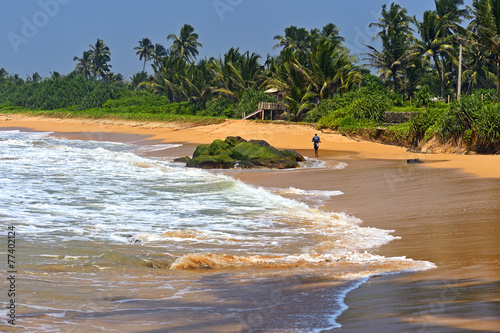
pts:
[442, 216]
[281, 135]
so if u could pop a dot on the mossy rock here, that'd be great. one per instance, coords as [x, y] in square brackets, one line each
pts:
[200, 150]
[236, 151]
[220, 161]
[218, 147]
[183, 159]
[293, 154]
[250, 151]
[234, 140]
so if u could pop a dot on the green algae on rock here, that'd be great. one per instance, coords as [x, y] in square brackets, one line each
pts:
[238, 152]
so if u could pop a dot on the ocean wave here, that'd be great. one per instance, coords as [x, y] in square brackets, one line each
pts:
[353, 266]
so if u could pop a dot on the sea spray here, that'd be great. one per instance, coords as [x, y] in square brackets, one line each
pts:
[111, 228]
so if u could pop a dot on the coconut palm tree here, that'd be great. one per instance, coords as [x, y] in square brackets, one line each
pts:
[433, 44]
[290, 82]
[84, 65]
[137, 79]
[167, 77]
[395, 34]
[186, 44]
[332, 32]
[236, 72]
[294, 39]
[485, 31]
[329, 68]
[197, 83]
[477, 73]
[159, 52]
[452, 15]
[3, 73]
[145, 51]
[35, 77]
[100, 56]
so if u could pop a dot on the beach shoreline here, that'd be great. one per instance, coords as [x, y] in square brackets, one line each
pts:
[429, 205]
[280, 135]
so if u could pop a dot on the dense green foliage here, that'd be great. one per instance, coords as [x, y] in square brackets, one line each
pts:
[314, 76]
[57, 92]
[470, 121]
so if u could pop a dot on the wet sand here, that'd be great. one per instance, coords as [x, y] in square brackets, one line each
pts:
[443, 216]
[280, 135]
[442, 210]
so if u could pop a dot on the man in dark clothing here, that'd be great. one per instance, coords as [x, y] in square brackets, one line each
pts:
[316, 141]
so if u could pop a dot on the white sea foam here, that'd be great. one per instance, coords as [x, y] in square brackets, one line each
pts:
[84, 190]
[158, 147]
[87, 197]
[315, 193]
[341, 165]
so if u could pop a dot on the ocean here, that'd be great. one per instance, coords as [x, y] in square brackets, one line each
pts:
[110, 240]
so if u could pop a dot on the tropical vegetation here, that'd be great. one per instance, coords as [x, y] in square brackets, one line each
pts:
[415, 61]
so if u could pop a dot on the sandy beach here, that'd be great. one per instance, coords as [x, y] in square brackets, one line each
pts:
[445, 210]
[279, 135]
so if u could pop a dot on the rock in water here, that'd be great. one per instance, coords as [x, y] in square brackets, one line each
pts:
[236, 151]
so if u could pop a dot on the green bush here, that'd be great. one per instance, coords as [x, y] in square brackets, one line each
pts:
[324, 108]
[250, 99]
[220, 107]
[460, 117]
[343, 120]
[371, 108]
[420, 124]
[97, 97]
[57, 93]
[366, 103]
[487, 126]
[424, 97]
[487, 95]
[146, 103]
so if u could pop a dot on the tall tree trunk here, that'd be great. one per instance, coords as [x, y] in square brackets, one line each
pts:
[440, 74]
[394, 80]
[498, 77]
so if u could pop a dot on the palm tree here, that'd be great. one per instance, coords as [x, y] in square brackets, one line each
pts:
[329, 68]
[186, 44]
[145, 51]
[311, 65]
[3, 73]
[137, 79]
[236, 72]
[395, 35]
[290, 82]
[433, 43]
[100, 56]
[84, 65]
[159, 52]
[451, 14]
[477, 73]
[331, 31]
[294, 39]
[168, 76]
[196, 83]
[35, 77]
[487, 35]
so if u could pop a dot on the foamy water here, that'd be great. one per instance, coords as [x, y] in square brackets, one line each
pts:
[84, 207]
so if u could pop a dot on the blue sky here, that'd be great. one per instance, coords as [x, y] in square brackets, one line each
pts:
[44, 35]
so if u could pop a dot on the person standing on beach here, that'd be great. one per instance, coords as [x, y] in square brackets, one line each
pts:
[316, 141]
